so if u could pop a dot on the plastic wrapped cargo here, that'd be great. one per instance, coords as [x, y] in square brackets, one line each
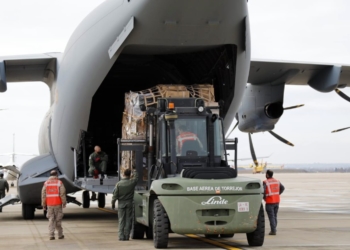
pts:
[134, 123]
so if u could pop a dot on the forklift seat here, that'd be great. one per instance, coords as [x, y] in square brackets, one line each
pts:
[190, 146]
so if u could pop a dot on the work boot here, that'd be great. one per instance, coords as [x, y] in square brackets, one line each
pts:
[52, 238]
[272, 233]
[61, 237]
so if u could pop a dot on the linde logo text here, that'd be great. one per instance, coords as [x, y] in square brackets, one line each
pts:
[215, 200]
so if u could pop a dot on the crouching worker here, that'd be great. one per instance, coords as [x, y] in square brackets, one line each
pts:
[98, 163]
[124, 193]
[53, 199]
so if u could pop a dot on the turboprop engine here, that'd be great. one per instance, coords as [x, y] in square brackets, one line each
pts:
[261, 108]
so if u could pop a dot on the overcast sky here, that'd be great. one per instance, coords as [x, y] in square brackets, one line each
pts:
[292, 30]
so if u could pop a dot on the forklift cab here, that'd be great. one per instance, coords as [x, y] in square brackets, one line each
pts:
[192, 138]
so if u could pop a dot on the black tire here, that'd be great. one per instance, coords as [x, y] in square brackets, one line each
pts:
[160, 225]
[86, 199]
[28, 211]
[137, 231]
[226, 235]
[149, 232]
[256, 238]
[45, 213]
[101, 200]
[211, 235]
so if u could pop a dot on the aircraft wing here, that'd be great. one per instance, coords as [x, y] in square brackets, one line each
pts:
[322, 77]
[27, 68]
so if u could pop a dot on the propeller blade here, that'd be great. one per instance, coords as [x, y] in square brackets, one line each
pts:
[342, 95]
[281, 139]
[294, 107]
[233, 129]
[252, 150]
[334, 131]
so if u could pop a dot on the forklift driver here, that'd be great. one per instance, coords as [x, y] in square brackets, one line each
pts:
[185, 135]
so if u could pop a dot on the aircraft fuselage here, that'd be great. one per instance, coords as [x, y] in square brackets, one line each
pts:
[172, 42]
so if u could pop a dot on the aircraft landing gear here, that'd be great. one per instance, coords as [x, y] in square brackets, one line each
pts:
[86, 199]
[28, 211]
[101, 200]
[93, 196]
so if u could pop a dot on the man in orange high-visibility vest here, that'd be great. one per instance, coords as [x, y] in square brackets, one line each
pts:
[272, 190]
[53, 199]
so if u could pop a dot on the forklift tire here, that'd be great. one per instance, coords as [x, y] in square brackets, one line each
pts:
[28, 211]
[160, 225]
[256, 238]
[86, 199]
[101, 200]
[137, 231]
[211, 235]
[226, 235]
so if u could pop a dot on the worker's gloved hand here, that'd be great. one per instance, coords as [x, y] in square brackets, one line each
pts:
[113, 206]
[64, 206]
[45, 208]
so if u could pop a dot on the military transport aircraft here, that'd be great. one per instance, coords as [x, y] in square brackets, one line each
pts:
[128, 45]
[10, 169]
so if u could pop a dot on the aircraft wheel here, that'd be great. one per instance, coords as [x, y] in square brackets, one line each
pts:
[211, 235]
[137, 231]
[101, 200]
[28, 211]
[256, 238]
[149, 232]
[160, 225]
[86, 199]
[226, 235]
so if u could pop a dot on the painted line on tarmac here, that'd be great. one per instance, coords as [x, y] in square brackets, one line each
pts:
[212, 242]
[108, 210]
[193, 236]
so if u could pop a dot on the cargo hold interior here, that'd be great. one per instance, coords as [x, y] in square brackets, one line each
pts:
[136, 72]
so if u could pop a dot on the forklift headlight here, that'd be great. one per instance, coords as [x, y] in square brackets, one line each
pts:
[200, 109]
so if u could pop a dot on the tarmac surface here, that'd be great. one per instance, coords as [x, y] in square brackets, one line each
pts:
[314, 214]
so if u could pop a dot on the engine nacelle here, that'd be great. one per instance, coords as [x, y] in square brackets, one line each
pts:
[274, 110]
[261, 107]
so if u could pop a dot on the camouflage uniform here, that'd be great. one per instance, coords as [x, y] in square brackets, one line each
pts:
[99, 162]
[124, 193]
[54, 213]
[3, 185]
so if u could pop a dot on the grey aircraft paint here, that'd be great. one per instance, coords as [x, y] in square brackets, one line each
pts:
[172, 41]
[161, 28]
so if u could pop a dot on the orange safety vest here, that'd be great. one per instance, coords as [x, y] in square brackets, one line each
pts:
[272, 192]
[185, 136]
[53, 192]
